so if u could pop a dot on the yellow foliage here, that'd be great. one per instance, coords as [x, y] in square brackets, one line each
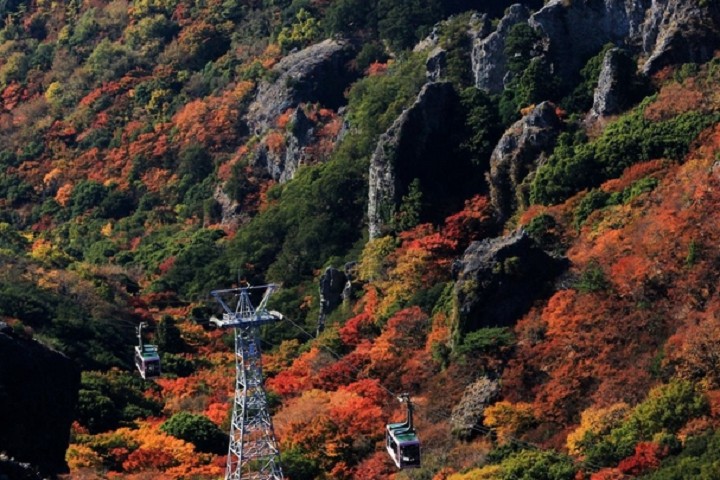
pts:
[82, 456]
[54, 93]
[405, 279]
[509, 420]
[596, 420]
[106, 230]
[488, 472]
[242, 89]
[373, 261]
[41, 249]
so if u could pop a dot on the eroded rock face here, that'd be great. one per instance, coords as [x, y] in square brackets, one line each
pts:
[415, 145]
[498, 280]
[332, 284]
[608, 98]
[661, 32]
[680, 31]
[317, 74]
[467, 415]
[38, 393]
[489, 62]
[575, 31]
[281, 165]
[518, 154]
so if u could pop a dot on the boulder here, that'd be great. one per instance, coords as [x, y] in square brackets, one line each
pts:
[518, 154]
[38, 392]
[467, 416]
[499, 279]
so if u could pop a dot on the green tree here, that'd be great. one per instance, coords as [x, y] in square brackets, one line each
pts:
[538, 465]
[403, 22]
[303, 31]
[168, 336]
[520, 47]
[198, 430]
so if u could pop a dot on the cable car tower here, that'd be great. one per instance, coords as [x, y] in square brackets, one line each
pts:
[253, 453]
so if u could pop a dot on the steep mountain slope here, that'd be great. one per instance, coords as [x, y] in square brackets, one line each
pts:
[523, 207]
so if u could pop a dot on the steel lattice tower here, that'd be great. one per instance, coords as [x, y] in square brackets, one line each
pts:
[253, 453]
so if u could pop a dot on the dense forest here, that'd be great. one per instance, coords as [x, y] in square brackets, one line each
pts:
[524, 229]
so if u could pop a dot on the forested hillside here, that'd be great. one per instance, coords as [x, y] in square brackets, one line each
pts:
[507, 211]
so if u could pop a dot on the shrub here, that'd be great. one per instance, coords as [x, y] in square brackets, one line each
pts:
[198, 430]
[631, 139]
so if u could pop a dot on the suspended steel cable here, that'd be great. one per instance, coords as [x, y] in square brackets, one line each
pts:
[486, 431]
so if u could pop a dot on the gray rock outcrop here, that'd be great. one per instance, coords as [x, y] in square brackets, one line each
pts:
[517, 154]
[436, 64]
[467, 415]
[660, 32]
[680, 31]
[332, 284]
[608, 97]
[281, 165]
[38, 394]
[489, 63]
[499, 279]
[316, 74]
[575, 31]
[401, 149]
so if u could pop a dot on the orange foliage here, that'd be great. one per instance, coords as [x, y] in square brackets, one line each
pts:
[647, 457]
[148, 459]
[634, 173]
[675, 99]
[211, 122]
[63, 194]
[298, 378]
[377, 68]
[629, 272]
[376, 467]
[404, 334]
[608, 474]
[358, 328]
[284, 118]
[338, 421]
[275, 142]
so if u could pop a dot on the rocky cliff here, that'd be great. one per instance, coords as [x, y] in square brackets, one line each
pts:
[421, 145]
[317, 74]
[498, 279]
[38, 393]
[489, 62]
[660, 32]
[518, 154]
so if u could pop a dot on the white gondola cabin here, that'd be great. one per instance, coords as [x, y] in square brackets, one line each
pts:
[401, 440]
[147, 359]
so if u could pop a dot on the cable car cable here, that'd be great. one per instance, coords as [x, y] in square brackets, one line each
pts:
[480, 429]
